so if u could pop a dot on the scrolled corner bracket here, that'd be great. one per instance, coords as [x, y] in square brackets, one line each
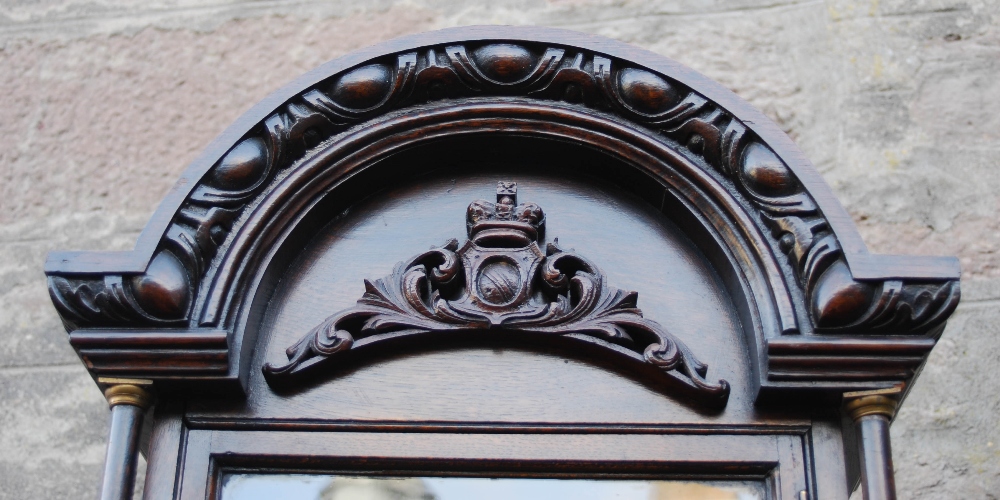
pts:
[500, 280]
[159, 297]
[837, 302]
[840, 303]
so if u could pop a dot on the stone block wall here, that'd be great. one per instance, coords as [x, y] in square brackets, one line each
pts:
[104, 102]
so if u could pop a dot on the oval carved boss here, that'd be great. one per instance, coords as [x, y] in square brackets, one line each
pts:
[242, 167]
[363, 88]
[164, 290]
[646, 92]
[504, 62]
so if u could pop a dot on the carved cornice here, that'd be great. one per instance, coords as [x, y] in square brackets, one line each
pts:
[153, 353]
[165, 293]
[500, 280]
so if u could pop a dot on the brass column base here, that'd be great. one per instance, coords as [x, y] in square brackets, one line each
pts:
[127, 391]
[874, 404]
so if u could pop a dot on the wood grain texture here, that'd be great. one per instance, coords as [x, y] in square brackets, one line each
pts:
[146, 352]
[164, 460]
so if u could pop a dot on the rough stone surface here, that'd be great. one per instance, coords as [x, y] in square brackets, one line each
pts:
[106, 101]
[55, 428]
[947, 442]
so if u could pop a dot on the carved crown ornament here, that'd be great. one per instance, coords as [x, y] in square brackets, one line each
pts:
[185, 274]
[500, 279]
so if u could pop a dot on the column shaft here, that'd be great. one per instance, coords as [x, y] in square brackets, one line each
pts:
[877, 479]
[128, 399]
[123, 452]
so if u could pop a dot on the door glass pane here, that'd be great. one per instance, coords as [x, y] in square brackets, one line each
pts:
[318, 487]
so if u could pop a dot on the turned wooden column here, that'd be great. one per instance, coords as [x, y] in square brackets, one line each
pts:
[871, 412]
[129, 399]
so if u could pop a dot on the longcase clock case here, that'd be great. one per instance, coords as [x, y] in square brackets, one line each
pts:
[503, 252]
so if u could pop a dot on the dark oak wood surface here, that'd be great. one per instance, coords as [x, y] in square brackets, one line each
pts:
[164, 452]
[123, 452]
[876, 458]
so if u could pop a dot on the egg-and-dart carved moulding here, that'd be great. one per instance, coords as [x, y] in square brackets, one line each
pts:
[500, 279]
[165, 293]
[839, 309]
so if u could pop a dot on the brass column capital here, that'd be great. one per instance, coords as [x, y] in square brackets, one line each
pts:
[879, 402]
[125, 391]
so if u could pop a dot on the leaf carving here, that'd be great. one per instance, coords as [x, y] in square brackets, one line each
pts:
[500, 280]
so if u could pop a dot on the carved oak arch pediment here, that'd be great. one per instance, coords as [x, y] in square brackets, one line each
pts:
[172, 300]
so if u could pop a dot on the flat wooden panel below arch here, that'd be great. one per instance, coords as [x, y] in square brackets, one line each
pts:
[638, 248]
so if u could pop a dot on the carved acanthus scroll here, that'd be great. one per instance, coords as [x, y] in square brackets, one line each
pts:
[500, 279]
